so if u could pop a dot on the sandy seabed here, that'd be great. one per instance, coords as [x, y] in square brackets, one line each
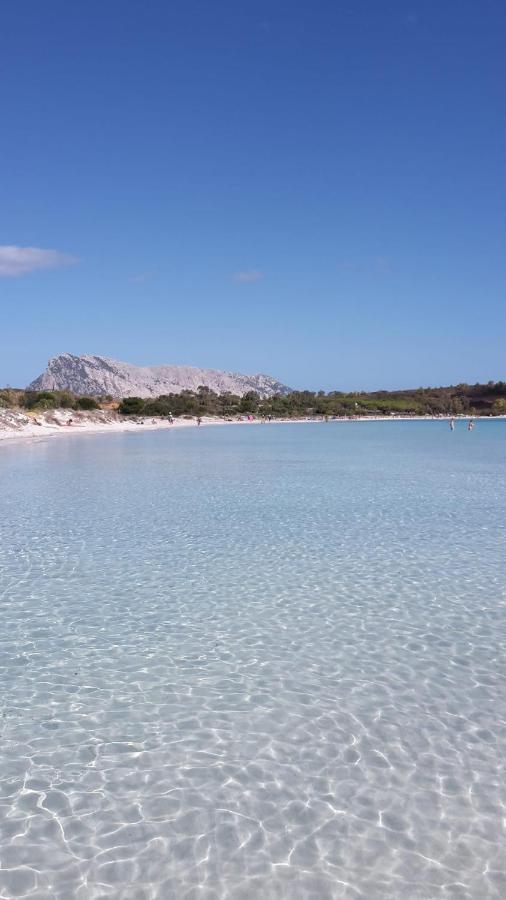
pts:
[254, 665]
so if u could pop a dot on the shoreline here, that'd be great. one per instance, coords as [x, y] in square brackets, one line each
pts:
[17, 426]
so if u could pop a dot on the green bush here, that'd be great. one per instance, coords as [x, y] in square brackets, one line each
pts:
[86, 403]
[249, 402]
[65, 400]
[499, 407]
[158, 407]
[33, 399]
[132, 406]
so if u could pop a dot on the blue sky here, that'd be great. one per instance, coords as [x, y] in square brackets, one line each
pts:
[314, 190]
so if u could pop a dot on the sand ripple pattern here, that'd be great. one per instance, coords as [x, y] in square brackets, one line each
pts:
[254, 663]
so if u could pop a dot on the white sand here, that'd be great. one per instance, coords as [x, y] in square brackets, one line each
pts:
[16, 425]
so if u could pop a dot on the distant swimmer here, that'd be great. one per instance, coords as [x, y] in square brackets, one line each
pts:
[452, 424]
[470, 425]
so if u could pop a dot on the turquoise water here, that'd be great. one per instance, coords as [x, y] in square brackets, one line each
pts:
[254, 662]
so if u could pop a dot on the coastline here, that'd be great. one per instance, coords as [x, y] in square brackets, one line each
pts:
[16, 425]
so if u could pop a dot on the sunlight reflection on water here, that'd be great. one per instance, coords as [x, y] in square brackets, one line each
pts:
[255, 662]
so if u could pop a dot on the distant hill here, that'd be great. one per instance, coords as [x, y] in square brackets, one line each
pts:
[99, 376]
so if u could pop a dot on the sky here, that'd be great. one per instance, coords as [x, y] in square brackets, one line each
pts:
[315, 190]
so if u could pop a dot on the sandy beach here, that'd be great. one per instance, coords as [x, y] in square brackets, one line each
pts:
[18, 425]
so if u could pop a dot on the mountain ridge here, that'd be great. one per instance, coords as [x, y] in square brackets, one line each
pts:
[100, 376]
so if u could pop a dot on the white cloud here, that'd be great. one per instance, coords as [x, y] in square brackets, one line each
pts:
[247, 277]
[15, 261]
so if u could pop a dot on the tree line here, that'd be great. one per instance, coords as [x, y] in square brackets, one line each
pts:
[11, 398]
[462, 399]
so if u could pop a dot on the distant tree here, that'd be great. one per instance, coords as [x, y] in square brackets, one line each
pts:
[463, 399]
[249, 402]
[131, 406]
[499, 407]
[65, 400]
[86, 403]
[228, 404]
[40, 400]
[160, 407]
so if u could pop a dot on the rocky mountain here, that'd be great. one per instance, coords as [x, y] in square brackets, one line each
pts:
[99, 376]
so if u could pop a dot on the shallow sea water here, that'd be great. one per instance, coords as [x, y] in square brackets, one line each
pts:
[254, 662]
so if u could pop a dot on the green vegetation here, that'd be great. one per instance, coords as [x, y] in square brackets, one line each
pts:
[86, 403]
[132, 406]
[462, 399]
[42, 400]
[48, 400]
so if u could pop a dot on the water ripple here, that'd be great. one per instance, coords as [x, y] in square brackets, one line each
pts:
[254, 665]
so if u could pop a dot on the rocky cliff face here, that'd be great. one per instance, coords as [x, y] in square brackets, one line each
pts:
[99, 376]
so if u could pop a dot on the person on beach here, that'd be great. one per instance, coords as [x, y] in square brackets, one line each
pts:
[452, 424]
[199, 421]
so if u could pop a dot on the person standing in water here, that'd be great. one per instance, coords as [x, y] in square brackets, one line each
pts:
[452, 424]
[470, 425]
